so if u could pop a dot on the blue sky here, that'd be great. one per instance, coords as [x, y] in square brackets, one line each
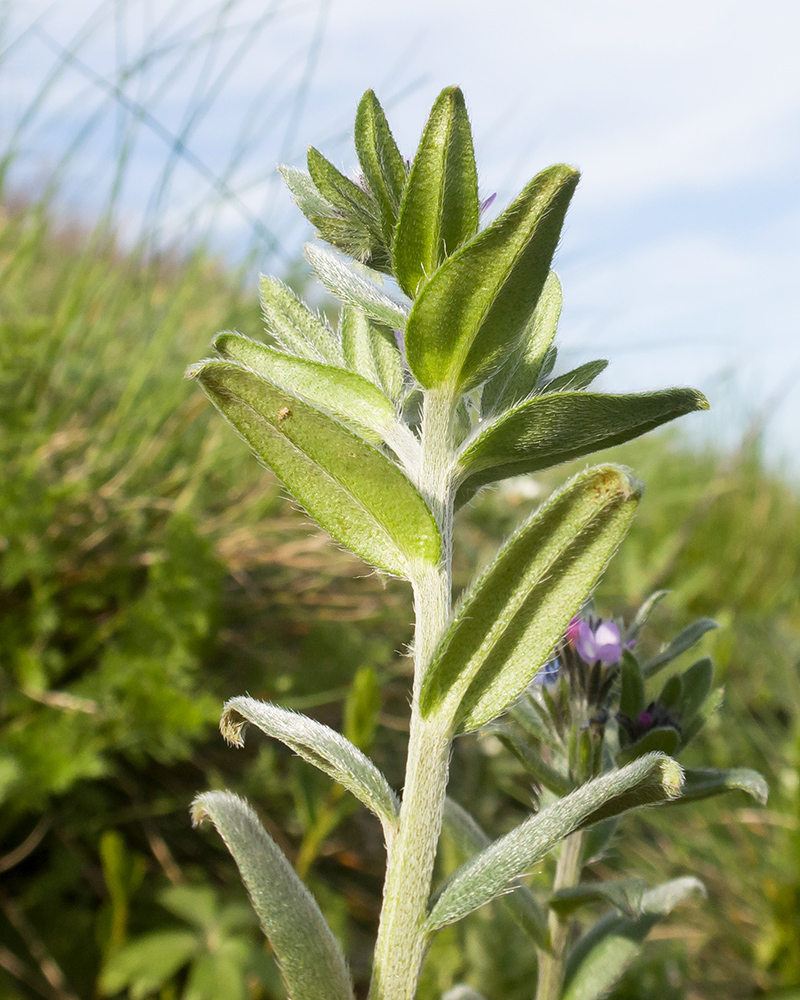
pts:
[681, 256]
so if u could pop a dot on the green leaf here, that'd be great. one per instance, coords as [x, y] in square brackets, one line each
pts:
[647, 781]
[357, 494]
[702, 783]
[519, 375]
[692, 726]
[663, 738]
[518, 610]
[557, 427]
[196, 904]
[624, 894]
[469, 840]
[697, 683]
[357, 228]
[527, 753]
[345, 395]
[355, 287]
[294, 327]
[308, 199]
[578, 378]
[217, 975]
[684, 640]
[380, 159]
[672, 692]
[440, 208]
[643, 614]
[143, 965]
[319, 745]
[339, 191]
[309, 957]
[607, 950]
[371, 350]
[631, 701]
[473, 312]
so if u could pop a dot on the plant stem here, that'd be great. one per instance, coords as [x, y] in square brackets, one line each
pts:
[402, 940]
[552, 964]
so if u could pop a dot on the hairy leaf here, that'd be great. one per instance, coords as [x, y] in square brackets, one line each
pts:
[684, 640]
[380, 159]
[440, 207]
[294, 327]
[371, 350]
[556, 427]
[624, 894]
[469, 840]
[702, 783]
[607, 950]
[345, 395]
[308, 199]
[321, 746]
[578, 378]
[309, 957]
[647, 781]
[357, 494]
[473, 312]
[519, 375]
[509, 623]
[355, 287]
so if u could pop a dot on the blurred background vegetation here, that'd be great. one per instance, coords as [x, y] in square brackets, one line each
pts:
[149, 569]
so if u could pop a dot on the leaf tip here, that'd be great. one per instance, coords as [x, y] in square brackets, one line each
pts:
[671, 776]
[232, 725]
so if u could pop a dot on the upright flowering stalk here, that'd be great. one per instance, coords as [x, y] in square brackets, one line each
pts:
[442, 318]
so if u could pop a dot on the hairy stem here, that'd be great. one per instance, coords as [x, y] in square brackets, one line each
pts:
[552, 964]
[402, 941]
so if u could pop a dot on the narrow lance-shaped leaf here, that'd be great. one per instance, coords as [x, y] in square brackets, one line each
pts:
[518, 377]
[469, 840]
[624, 894]
[440, 208]
[319, 745]
[380, 159]
[371, 350]
[475, 309]
[554, 428]
[643, 614]
[647, 781]
[357, 230]
[339, 191]
[294, 327]
[509, 623]
[606, 951]
[345, 395]
[308, 199]
[309, 957]
[354, 287]
[702, 783]
[684, 640]
[578, 378]
[357, 494]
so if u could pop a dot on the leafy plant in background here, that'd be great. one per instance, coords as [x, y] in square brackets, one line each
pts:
[381, 430]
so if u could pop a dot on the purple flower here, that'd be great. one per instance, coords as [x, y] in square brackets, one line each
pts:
[603, 642]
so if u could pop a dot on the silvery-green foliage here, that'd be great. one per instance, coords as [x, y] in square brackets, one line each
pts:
[469, 839]
[607, 950]
[309, 957]
[438, 381]
[321, 746]
[650, 780]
